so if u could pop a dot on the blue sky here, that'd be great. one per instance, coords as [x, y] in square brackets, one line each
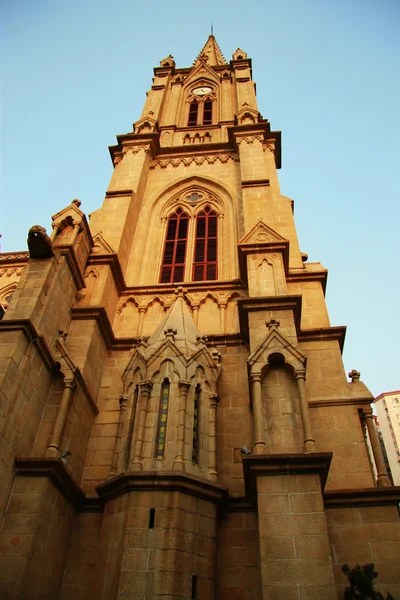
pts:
[75, 74]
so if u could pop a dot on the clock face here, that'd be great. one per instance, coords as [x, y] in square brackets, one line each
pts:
[201, 91]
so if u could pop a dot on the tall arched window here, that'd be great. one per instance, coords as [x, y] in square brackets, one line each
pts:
[162, 420]
[205, 259]
[173, 264]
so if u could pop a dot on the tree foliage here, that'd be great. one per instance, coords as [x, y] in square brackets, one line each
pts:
[362, 585]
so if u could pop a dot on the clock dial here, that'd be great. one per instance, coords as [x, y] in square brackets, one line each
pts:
[201, 91]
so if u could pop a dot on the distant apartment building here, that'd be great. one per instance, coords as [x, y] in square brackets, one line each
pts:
[388, 410]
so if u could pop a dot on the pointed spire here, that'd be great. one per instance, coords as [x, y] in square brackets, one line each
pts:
[211, 52]
[177, 325]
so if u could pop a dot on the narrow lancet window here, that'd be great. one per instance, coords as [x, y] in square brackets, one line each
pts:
[196, 413]
[162, 419]
[173, 265]
[193, 112]
[207, 112]
[205, 260]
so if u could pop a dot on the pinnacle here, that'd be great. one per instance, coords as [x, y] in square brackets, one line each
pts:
[211, 52]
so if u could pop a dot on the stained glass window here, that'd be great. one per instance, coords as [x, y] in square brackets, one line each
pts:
[196, 410]
[162, 419]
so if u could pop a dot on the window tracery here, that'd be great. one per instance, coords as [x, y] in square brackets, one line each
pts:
[191, 238]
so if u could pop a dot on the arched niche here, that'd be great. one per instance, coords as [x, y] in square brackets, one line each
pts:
[179, 195]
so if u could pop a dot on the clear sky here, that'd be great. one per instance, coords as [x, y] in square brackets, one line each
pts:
[75, 74]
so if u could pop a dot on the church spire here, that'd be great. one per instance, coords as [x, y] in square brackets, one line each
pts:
[212, 52]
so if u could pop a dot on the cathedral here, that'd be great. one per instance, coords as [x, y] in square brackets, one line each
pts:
[175, 417]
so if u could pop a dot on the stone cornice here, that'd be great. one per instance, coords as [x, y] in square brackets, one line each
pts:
[156, 481]
[276, 303]
[34, 336]
[305, 275]
[54, 469]
[323, 333]
[377, 496]
[265, 465]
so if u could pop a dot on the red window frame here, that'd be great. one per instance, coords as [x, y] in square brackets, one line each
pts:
[193, 113]
[175, 245]
[205, 265]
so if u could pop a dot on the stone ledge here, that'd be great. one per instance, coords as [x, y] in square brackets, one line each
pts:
[34, 336]
[324, 333]
[156, 481]
[377, 496]
[54, 469]
[283, 464]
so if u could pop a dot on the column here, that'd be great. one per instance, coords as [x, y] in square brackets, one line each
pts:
[75, 232]
[214, 399]
[118, 440]
[195, 308]
[222, 314]
[142, 311]
[256, 393]
[309, 444]
[145, 389]
[56, 227]
[382, 476]
[53, 448]
[184, 387]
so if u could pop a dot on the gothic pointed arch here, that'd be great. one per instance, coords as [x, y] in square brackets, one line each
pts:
[190, 197]
[274, 345]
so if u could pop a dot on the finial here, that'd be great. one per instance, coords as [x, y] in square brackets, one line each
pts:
[212, 29]
[354, 376]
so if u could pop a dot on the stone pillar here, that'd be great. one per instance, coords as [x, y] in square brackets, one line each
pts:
[145, 389]
[195, 308]
[184, 387]
[118, 440]
[222, 313]
[142, 312]
[382, 475]
[213, 435]
[259, 434]
[53, 448]
[56, 227]
[295, 559]
[309, 444]
[75, 232]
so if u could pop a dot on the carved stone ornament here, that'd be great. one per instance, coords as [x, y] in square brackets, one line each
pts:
[39, 243]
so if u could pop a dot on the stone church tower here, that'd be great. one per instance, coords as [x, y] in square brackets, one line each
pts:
[176, 421]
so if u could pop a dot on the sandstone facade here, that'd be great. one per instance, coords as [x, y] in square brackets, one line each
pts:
[139, 363]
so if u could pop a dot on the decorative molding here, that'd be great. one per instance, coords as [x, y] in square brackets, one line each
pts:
[198, 160]
[249, 139]
[14, 257]
[34, 336]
